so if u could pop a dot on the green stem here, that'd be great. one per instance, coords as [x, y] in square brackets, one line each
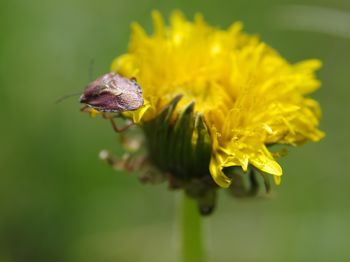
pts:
[191, 231]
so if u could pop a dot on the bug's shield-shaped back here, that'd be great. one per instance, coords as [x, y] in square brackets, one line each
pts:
[113, 93]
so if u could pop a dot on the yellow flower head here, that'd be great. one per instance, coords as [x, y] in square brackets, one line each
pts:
[248, 95]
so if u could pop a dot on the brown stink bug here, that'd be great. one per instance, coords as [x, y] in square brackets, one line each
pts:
[112, 93]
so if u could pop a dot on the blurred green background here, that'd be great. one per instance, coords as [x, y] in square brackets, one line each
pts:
[59, 202]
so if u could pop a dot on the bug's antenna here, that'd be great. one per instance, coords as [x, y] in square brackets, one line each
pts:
[91, 69]
[66, 96]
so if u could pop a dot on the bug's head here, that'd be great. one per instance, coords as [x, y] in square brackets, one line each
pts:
[100, 94]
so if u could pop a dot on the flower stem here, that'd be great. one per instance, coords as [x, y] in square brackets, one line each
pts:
[191, 231]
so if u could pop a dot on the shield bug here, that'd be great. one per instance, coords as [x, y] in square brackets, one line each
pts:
[113, 93]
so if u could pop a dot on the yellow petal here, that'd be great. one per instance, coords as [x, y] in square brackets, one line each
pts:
[125, 65]
[277, 180]
[216, 172]
[309, 65]
[266, 165]
[138, 114]
[158, 23]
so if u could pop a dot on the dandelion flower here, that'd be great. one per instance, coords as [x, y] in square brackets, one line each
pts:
[215, 102]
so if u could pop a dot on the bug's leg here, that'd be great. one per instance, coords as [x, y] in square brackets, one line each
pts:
[119, 129]
[83, 109]
[114, 125]
[91, 111]
[129, 144]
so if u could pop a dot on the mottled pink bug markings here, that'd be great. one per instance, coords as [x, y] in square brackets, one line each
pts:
[113, 93]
